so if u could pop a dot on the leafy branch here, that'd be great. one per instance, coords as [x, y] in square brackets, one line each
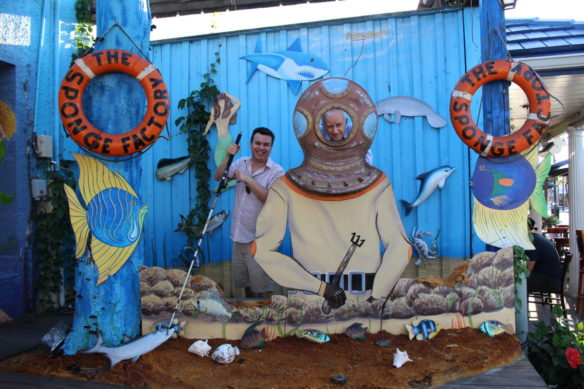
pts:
[83, 37]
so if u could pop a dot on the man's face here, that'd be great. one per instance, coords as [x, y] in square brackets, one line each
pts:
[335, 125]
[261, 147]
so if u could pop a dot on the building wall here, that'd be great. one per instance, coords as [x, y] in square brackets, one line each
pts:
[31, 33]
[417, 55]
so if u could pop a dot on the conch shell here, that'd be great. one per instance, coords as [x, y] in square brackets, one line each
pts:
[225, 353]
[201, 348]
[400, 357]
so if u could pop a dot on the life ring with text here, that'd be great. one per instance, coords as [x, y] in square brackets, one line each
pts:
[110, 61]
[500, 146]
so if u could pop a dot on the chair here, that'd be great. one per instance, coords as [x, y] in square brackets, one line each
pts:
[544, 298]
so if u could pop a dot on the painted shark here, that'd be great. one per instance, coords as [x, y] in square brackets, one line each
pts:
[431, 180]
[136, 348]
[291, 65]
[166, 167]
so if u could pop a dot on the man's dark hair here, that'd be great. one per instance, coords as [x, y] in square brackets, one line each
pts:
[263, 131]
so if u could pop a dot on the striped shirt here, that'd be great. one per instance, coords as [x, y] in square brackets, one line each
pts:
[247, 206]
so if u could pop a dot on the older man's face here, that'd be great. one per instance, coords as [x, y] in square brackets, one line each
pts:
[335, 125]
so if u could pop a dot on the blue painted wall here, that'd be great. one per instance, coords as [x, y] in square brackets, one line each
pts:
[31, 42]
[418, 55]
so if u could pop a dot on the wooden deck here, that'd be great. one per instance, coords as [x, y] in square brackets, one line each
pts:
[24, 334]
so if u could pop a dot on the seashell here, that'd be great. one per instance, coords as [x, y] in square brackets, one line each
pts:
[201, 348]
[225, 353]
[400, 357]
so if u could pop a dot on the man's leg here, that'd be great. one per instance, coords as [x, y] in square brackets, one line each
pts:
[239, 271]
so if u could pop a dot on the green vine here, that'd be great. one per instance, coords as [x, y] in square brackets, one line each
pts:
[54, 243]
[520, 260]
[83, 29]
[193, 124]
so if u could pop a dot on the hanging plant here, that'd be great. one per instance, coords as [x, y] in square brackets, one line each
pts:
[193, 124]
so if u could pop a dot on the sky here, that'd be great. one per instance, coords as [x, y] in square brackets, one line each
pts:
[200, 24]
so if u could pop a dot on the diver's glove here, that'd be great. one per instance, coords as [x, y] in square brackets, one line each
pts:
[334, 296]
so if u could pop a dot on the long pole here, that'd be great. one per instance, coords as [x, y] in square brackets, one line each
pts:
[195, 260]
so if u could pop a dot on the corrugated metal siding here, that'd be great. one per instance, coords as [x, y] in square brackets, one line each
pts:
[417, 55]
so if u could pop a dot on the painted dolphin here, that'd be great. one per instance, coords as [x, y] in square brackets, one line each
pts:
[431, 180]
[291, 65]
[166, 167]
[399, 106]
[136, 348]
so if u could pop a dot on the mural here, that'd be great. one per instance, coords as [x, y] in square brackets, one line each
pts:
[223, 113]
[340, 211]
[112, 217]
[7, 129]
[291, 65]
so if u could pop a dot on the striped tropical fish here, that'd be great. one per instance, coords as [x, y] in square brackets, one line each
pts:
[113, 215]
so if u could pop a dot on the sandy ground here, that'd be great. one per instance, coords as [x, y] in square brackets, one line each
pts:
[291, 363]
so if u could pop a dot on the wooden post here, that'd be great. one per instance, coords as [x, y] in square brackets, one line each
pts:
[114, 103]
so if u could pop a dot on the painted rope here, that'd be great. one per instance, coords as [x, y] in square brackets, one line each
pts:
[111, 61]
[500, 146]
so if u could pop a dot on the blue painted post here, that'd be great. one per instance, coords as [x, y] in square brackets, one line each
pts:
[114, 103]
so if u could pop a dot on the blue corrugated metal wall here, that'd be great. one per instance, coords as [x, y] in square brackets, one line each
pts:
[418, 55]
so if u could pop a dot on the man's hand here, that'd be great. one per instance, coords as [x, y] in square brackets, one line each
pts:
[334, 296]
[242, 176]
[233, 149]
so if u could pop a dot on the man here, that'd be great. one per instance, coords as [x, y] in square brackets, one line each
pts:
[544, 265]
[336, 129]
[254, 176]
[332, 195]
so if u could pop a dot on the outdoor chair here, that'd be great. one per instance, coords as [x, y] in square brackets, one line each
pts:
[555, 297]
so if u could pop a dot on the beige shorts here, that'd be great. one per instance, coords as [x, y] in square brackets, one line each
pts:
[246, 272]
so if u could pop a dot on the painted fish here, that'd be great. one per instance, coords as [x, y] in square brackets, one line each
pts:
[166, 167]
[211, 306]
[113, 218]
[504, 189]
[215, 222]
[315, 336]
[430, 180]
[423, 330]
[399, 106]
[494, 328]
[7, 121]
[356, 331]
[252, 338]
[136, 348]
[291, 65]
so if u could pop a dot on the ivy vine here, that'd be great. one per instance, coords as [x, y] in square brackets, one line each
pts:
[520, 260]
[53, 243]
[193, 124]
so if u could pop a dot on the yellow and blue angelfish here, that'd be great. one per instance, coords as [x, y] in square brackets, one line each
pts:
[113, 215]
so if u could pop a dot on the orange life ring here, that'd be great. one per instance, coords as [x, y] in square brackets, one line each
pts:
[500, 146]
[110, 61]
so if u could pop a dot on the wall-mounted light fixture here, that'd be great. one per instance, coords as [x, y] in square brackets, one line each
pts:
[507, 4]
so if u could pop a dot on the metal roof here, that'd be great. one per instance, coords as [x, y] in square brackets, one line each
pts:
[555, 50]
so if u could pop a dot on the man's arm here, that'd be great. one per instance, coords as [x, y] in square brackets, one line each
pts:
[259, 191]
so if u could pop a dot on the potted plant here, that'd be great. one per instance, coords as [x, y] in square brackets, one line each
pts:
[555, 350]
